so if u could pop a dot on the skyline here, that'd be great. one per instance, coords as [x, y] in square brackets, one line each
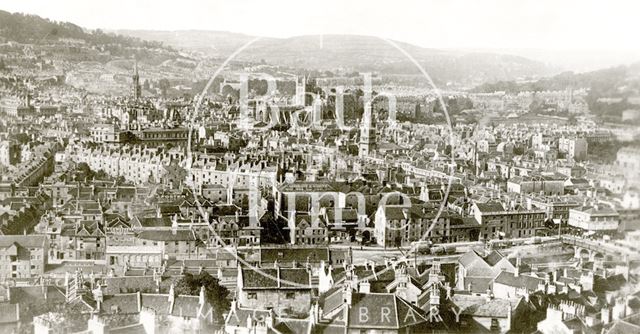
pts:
[571, 35]
[569, 25]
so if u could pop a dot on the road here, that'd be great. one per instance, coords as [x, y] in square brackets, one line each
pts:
[380, 255]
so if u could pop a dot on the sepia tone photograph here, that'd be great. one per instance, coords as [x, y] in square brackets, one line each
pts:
[295, 167]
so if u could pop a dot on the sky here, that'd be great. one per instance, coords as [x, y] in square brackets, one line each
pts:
[605, 28]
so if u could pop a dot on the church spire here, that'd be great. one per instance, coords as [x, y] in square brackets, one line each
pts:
[137, 90]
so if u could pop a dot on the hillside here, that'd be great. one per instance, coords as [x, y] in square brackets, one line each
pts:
[33, 29]
[352, 52]
[621, 82]
[213, 43]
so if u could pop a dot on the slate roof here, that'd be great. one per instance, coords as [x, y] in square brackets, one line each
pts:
[478, 306]
[479, 265]
[130, 329]
[157, 302]
[167, 235]
[348, 215]
[123, 284]
[578, 326]
[238, 316]
[489, 207]
[120, 304]
[155, 222]
[478, 284]
[9, 313]
[275, 278]
[520, 281]
[468, 258]
[402, 314]
[186, 306]
[395, 212]
[26, 241]
[300, 255]
[630, 324]
[493, 258]
[35, 295]
[293, 326]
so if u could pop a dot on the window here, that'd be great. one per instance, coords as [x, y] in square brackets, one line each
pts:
[252, 295]
[495, 325]
[291, 295]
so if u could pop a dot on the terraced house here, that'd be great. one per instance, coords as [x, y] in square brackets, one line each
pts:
[22, 256]
[285, 290]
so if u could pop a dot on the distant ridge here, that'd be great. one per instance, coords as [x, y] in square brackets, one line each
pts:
[355, 52]
[26, 28]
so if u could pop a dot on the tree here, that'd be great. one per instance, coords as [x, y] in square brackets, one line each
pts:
[128, 138]
[215, 294]
[23, 222]
[70, 318]
[85, 170]
[120, 180]
[518, 150]
[272, 229]
[23, 138]
[235, 144]
[101, 175]
[230, 92]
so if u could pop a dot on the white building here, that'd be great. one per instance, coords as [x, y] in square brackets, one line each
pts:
[594, 218]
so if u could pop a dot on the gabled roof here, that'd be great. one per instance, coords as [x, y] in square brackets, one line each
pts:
[157, 302]
[384, 310]
[478, 306]
[129, 329]
[630, 324]
[469, 258]
[125, 284]
[299, 255]
[9, 313]
[347, 214]
[276, 278]
[186, 306]
[167, 235]
[489, 207]
[154, 221]
[493, 258]
[35, 295]
[120, 304]
[238, 316]
[395, 212]
[26, 241]
[521, 281]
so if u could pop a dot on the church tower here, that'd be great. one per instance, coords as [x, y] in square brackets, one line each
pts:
[137, 90]
[301, 86]
[367, 133]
